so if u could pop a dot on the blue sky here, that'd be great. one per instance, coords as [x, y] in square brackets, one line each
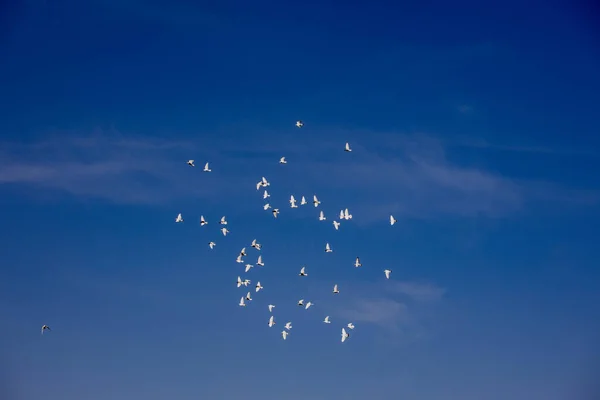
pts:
[475, 125]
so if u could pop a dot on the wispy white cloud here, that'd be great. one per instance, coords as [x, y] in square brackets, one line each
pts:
[423, 292]
[408, 175]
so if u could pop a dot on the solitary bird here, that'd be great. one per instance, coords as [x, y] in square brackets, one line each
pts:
[224, 231]
[211, 245]
[179, 218]
[347, 147]
[275, 212]
[321, 216]
[350, 325]
[326, 320]
[282, 160]
[288, 326]
[271, 307]
[303, 272]
[202, 221]
[266, 206]
[357, 263]
[45, 328]
[191, 163]
[299, 124]
[345, 335]
[206, 168]
[316, 201]
[392, 220]
[335, 289]
[271, 321]
[387, 273]
[223, 221]
[309, 304]
[336, 225]
[301, 302]
[328, 248]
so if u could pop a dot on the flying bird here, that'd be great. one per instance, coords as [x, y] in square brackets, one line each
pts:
[211, 245]
[242, 303]
[266, 194]
[262, 183]
[293, 202]
[259, 262]
[303, 272]
[224, 231]
[223, 221]
[206, 168]
[255, 244]
[301, 302]
[284, 334]
[347, 147]
[202, 221]
[248, 267]
[45, 328]
[345, 335]
[326, 320]
[309, 304]
[243, 252]
[248, 297]
[321, 216]
[387, 273]
[303, 201]
[341, 214]
[191, 163]
[275, 212]
[271, 321]
[347, 215]
[335, 289]
[271, 307]
[239, 282]
[266, 206]
[350, 325]
[328, 248]
[336, 225]
[258, 287]
[179, 218]
[246, 282]
[288, 326]
[392, 220]
[357, 263]
[316, 201]
[299, 124]
[282, 160]
[239, 259]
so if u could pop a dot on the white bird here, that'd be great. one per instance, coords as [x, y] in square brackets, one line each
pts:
[316, 201]
[328, 248]
[326, 320]
[262, 183]
[223, 221]
[335, 289]
[246, 282]
[239, 259]
[248, 297]
[271, 321]
[345, 335]
[260, 262]
[45, 328]
[387, 273]
[303, 201]
[301, 302]
[179, 218]
[266, 194]
[282, 160]
[336, 225]
[242, 303]
[321, 216]
[202, 221]
[357, 263]
[211, 245]
[224, 231]
[248, 267]
[239, 282]
[341, 214]
[350, 325]
[255, 244]
[347, 147]
[191, 163]
[275, 212]
[271, 307]
[293, 202]
[308, 305]
[243, 252]
[266, 206]
[258, 287]
[347, 215]
[392, 220]
[284, 334]
[303, 272]
[299, 124]
[288, 326]
[206, 168]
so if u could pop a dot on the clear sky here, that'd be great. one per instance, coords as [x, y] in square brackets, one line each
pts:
[476, 125]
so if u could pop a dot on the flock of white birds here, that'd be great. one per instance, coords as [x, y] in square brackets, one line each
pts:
[344, 215]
